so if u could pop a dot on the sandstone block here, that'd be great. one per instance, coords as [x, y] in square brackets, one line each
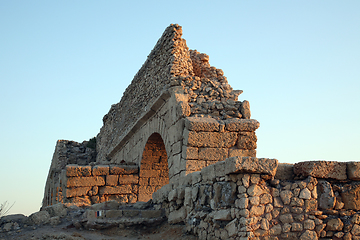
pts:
[309, 235]
[124, 169]
[353, 170]
[241, 125]
[150, 173]
[254, 190]
[78, 171]
[247, 140]
[334, 225]
[257, 210]
[245, 109]
[112, 180]
[321, 169]
[327, 197]
[195, 165]
[351, 196]
[158, 181]
[216, 154]
[251, 165]
[190, 153]
[242, 152]
[100, 170]
[285, 171]
[128, 179]
[210, 139]
[202, 124]
[125, 189]
[305, 194]
[286, 218]
[77, 192]
[85, 181]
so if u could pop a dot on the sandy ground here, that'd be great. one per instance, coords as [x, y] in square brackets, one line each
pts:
[164, 231]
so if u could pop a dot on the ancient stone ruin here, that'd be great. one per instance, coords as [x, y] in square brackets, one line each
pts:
[181, 141]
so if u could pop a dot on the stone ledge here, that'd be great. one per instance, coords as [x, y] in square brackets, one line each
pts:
[202, 124]
[321, 169]
[251, 165]
[241, 125]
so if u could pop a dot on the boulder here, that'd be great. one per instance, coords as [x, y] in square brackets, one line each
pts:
[39, 218]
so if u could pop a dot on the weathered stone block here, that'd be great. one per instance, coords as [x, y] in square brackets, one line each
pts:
[125, 189]
[177, 216]
[190, 153]
[158, 181]
[242, 152]
[208, 173]
[150, 173]
[247, 140]
[77, 192]
[321, 169]
[78, 171]
[353, 170]
[210, 139]
[85, 181]
[100, 170]
[223, 215]
[285, 171]
[38, 218]
[251, 165]
[351, 196]
[124, 169]
[231, 228]
[220, 169]
[195, 165]
[112, 180]
[128, 179]
[216, 154]
[245, 109]
[241, 125]
[201, 124]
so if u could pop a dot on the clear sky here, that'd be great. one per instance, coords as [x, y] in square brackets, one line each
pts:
[63, 63]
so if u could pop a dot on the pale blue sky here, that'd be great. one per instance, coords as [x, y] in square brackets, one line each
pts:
[63, 63]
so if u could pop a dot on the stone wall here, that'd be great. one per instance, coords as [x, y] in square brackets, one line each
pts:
[66, 152]
[94, 184]
[256, 198]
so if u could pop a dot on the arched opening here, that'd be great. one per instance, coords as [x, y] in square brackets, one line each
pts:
[154, 171]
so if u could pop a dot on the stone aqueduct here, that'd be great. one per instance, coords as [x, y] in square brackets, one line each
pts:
[180, 137]
[177, 116]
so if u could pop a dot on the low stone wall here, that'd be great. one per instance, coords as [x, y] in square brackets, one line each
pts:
[257, 198]
[95, 184]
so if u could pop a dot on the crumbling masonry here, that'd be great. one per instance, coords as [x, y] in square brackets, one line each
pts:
[180, 137]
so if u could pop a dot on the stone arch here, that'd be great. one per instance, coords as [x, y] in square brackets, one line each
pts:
[154, 171]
